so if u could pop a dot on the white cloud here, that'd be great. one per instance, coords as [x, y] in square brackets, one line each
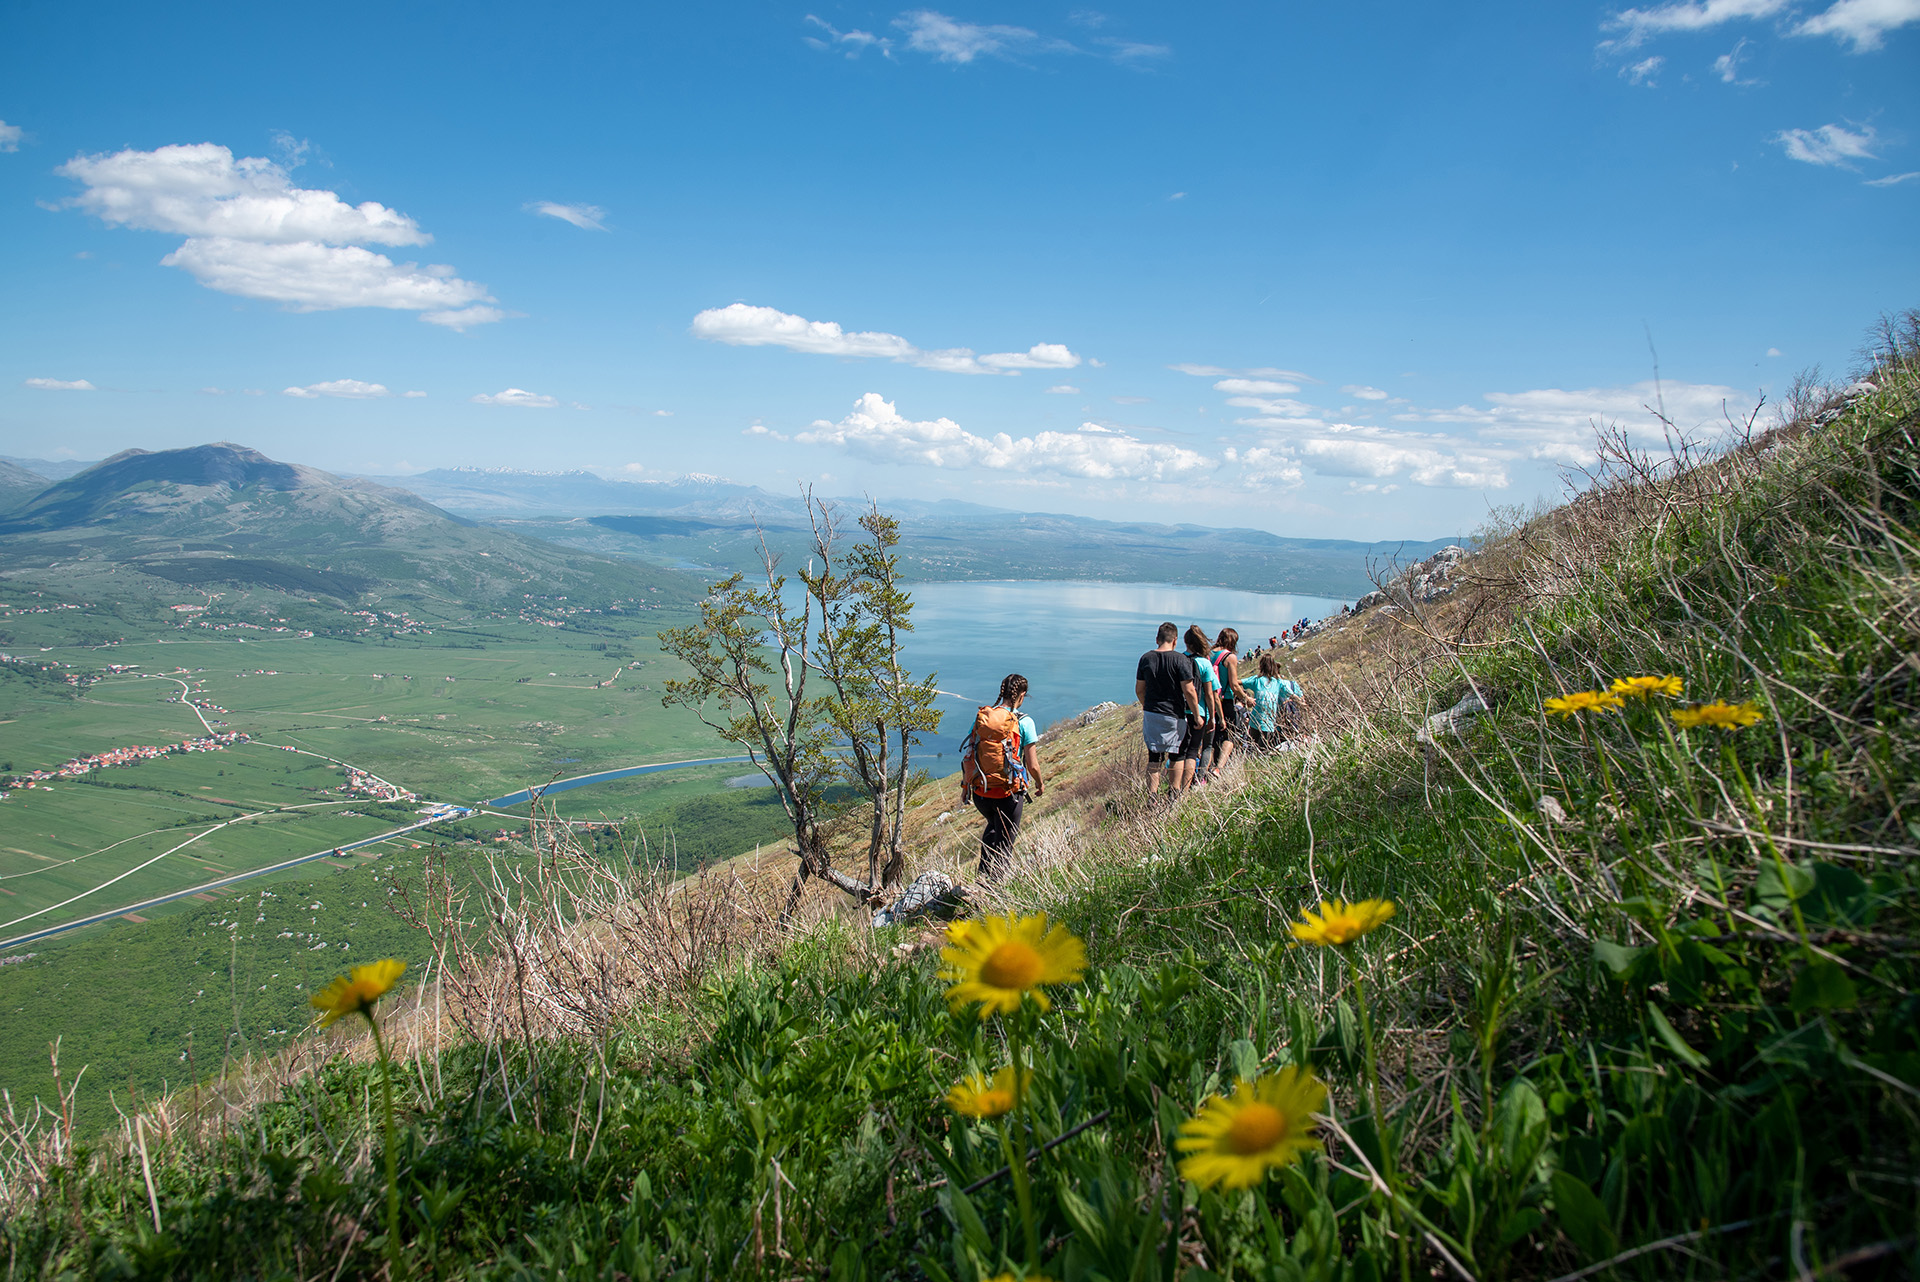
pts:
[412, 396]
[1264, 467]
[516, 398]
[1774, 351]
[1639, 24]
[1379, 453]
[1557, 425]
[855, 42]
[1039, 356]
[1255, 386]
[351, 389]
[1364, 393]
[1643, 71]
[949, 40]
[1828, 145]
[1063, 389]
[585, 217]
[252, 233]
[1264, 371]
[1864, 22]
[1727, 65]
[213, 391]
[464, 318]
[60, 384]
[10, 136]
[1893, 180]
[741, 325]
[876, 430]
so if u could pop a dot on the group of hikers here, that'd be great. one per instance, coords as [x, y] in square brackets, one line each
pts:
[1197, 709]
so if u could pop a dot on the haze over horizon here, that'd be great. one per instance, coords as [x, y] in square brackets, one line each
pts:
[1352, 272]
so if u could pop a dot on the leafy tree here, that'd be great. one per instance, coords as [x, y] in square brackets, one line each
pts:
[752, 655]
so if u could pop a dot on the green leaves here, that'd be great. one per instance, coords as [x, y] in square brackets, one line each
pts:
[1671, 1039]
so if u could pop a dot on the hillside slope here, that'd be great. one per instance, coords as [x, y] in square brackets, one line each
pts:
[1645, 1007]
[145, 525]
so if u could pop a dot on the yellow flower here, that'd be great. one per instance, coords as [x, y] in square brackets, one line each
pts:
[1031, 1277]
[1340, 923]
[1719, 714]
[975, 1096]
[1267, 1123]
[996, 960]
[1647, 687]
[368, 985]
[1584, 701]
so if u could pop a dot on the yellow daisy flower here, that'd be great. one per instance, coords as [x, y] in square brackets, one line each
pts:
[997, 960]
[1719, 714]
[1340, 923]
[1647, 687]
[975, 1096]
[1584, 701]
[356, 995]
[1266, 1123]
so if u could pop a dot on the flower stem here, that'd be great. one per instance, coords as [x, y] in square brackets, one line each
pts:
[394, 1262]
[1389, 1167]
[1022, 1186]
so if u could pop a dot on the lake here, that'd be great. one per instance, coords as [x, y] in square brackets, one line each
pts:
[1076, 643]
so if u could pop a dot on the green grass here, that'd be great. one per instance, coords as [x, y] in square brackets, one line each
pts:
[1673, 1034]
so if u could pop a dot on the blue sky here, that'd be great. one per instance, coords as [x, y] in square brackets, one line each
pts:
[1349, 270]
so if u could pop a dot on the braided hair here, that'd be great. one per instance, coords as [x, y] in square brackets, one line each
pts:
[1012, 686]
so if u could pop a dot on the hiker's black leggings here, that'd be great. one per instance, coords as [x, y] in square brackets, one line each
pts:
[1003, 829]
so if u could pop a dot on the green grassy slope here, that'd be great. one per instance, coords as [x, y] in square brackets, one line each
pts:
[1659, 1025]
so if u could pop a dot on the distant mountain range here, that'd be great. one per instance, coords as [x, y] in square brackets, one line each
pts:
[466, 537]
[145, 524]
[704, 523]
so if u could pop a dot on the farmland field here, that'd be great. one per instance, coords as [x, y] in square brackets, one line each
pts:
[456, 715]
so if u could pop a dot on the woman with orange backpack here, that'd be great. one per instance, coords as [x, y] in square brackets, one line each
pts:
[997, 762]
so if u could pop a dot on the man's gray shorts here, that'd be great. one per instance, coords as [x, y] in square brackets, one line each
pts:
[1163, 733]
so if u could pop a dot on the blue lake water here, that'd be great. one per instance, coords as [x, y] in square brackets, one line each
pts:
[1076, 643]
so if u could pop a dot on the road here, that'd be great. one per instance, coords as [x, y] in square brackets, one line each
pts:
[458, 812]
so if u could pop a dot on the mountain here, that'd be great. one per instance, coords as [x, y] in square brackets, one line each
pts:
[17, 485]
[223, 514]
[714, 525]
[49, 469]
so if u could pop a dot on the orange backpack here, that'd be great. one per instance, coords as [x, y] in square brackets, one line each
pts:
[990, 763]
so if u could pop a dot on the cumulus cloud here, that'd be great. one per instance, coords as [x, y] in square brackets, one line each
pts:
[1557, 425]
[1380, 453]
[412, 396]
[516, 398]
[9, 136]
[1364, 393]
[252, 233]
[742, 325]
[1063, 389]
[351, 389]
[1637, 25]
[1862, 22]
[585, 217]
[876, 430]
[1831, 145]
[60, 384]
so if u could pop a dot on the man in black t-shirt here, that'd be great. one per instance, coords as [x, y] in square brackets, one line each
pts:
[1163, 682]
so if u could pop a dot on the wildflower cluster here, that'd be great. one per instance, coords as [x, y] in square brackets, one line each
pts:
[1718, 715]
[1002, 966]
